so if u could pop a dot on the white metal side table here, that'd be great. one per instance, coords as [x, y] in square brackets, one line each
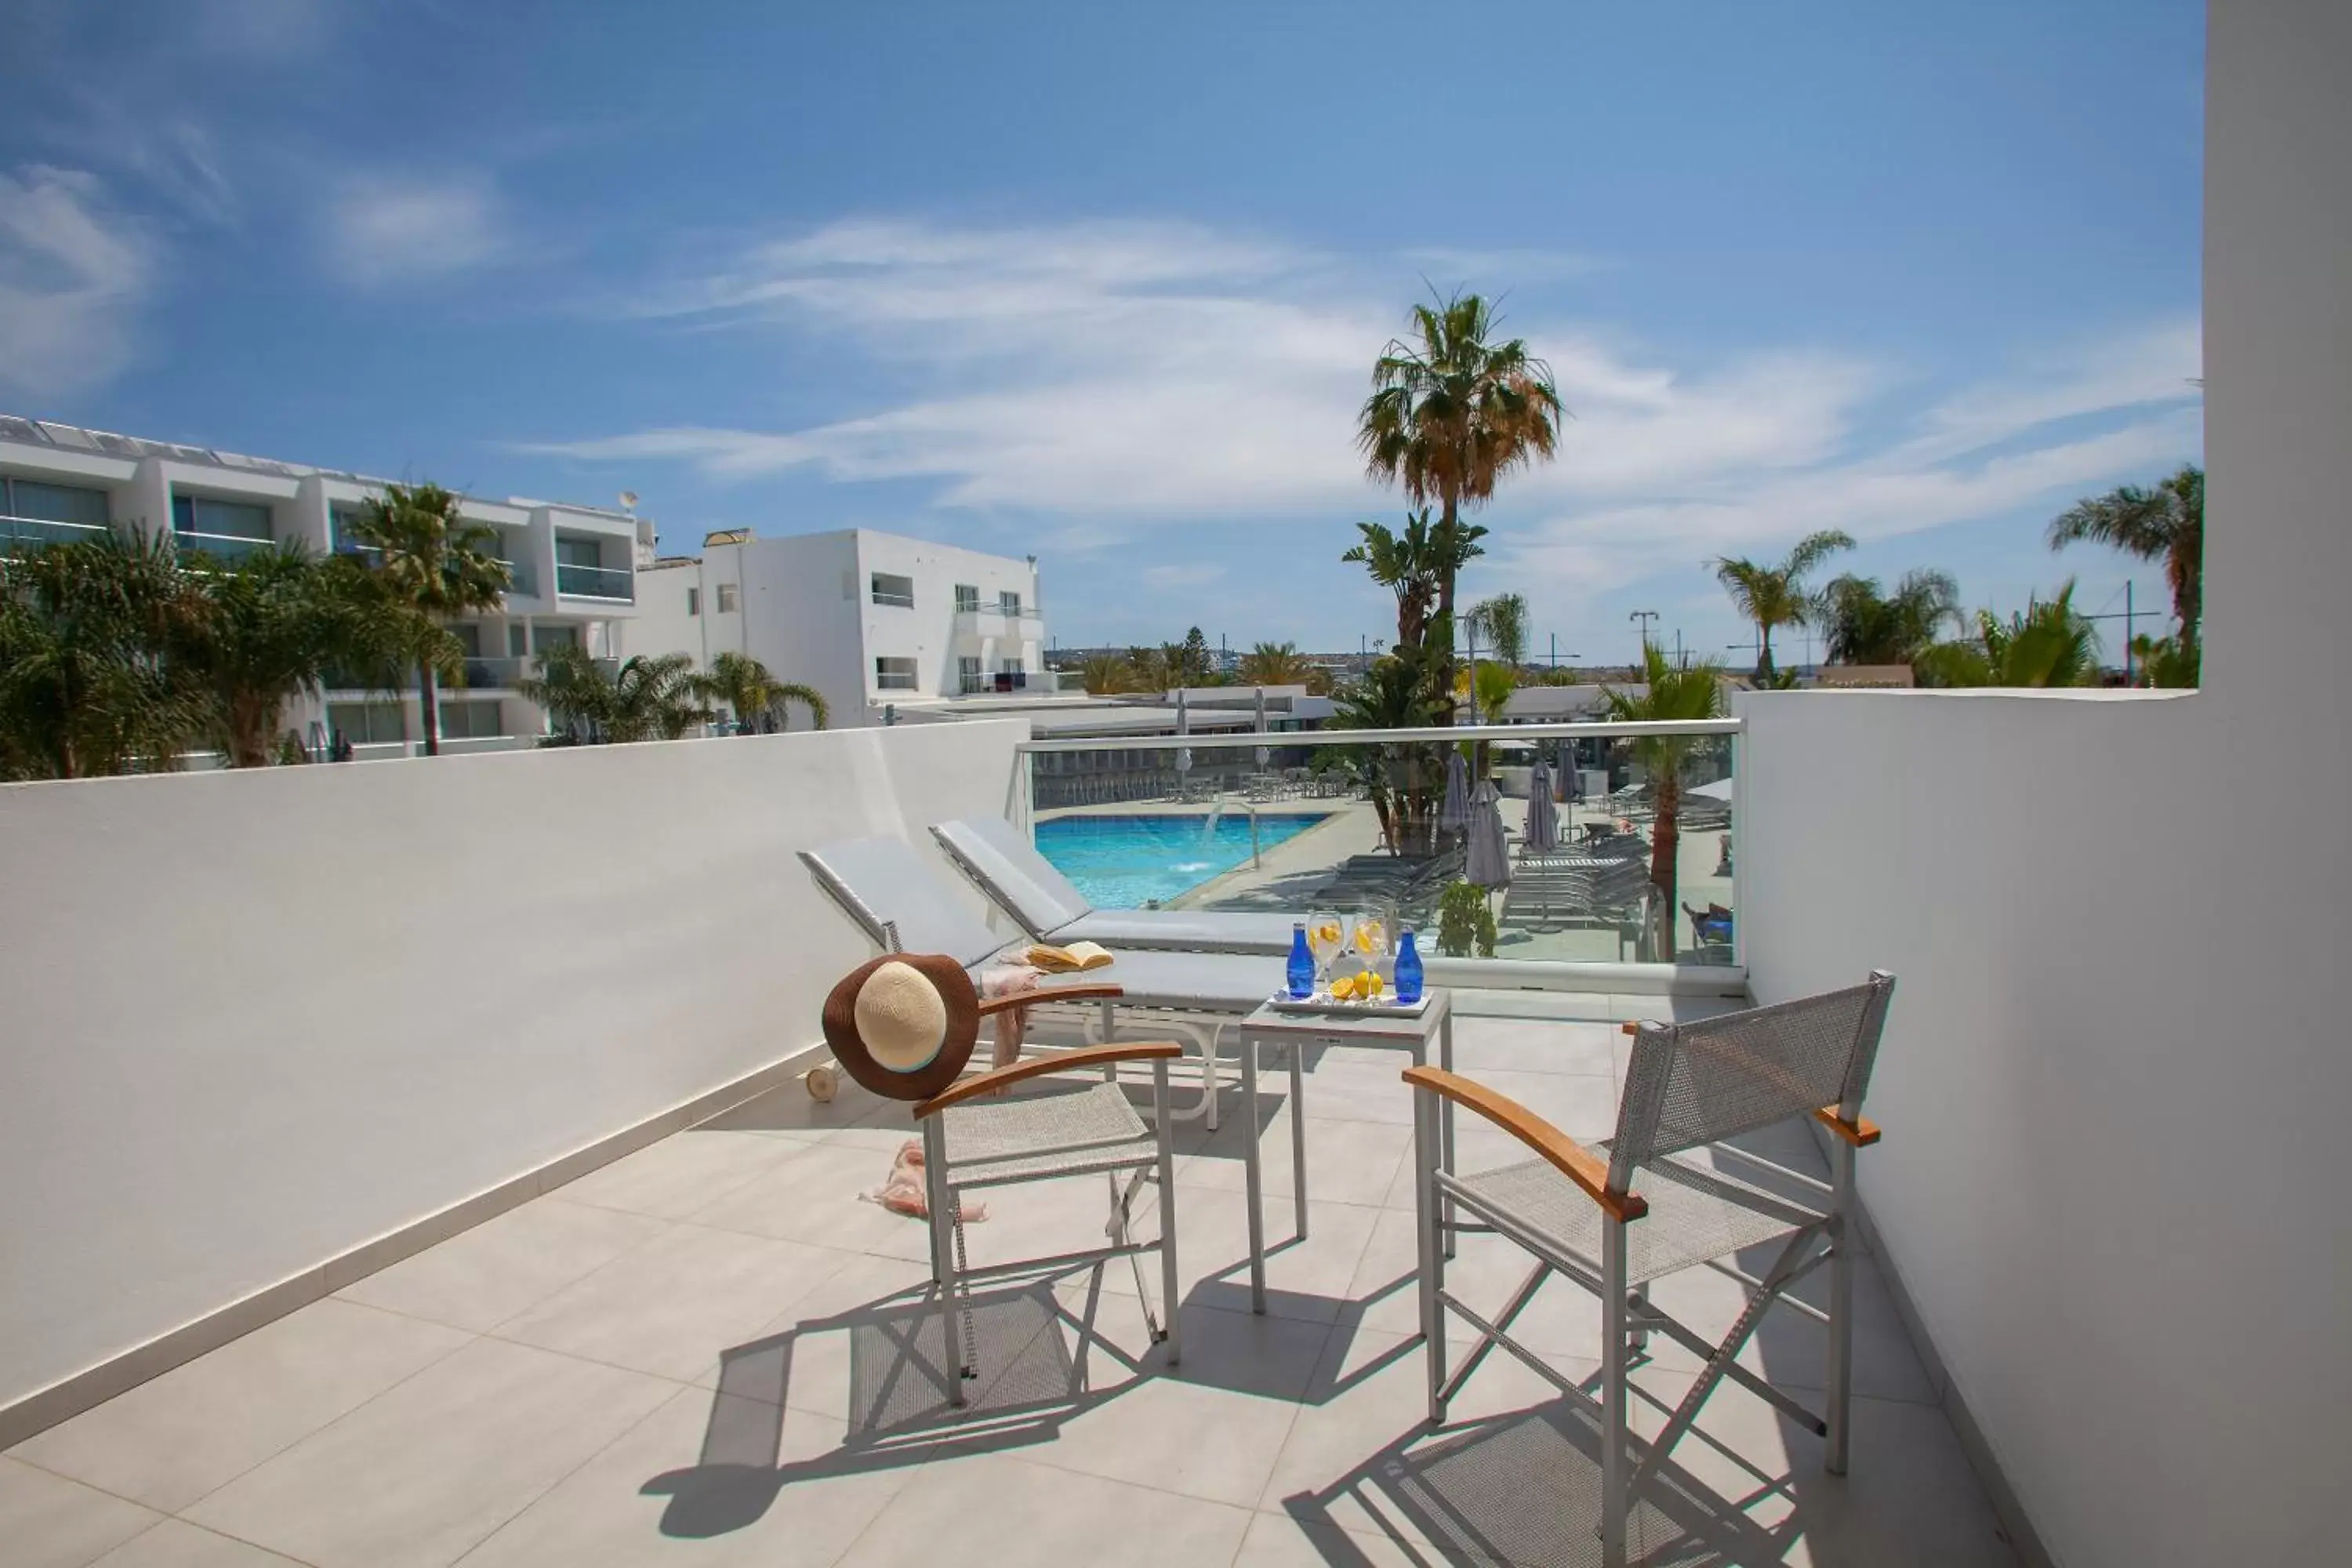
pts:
[1275, 1026]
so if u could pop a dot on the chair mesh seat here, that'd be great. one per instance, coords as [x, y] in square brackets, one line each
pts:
[1064, 1132]
[1695, 1214]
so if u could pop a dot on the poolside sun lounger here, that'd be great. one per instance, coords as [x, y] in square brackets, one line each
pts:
[1007, 868]
[883, 884]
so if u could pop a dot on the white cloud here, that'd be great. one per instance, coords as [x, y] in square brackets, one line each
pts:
[384, 230]
[73, 273]
[1162, 370]
[1110, 377]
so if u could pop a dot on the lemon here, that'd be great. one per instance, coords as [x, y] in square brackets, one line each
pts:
[1373, 983]
[1344, 988]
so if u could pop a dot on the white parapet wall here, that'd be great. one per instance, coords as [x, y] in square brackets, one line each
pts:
[256, 1019]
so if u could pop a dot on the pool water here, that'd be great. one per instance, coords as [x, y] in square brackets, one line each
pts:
[1131, 862]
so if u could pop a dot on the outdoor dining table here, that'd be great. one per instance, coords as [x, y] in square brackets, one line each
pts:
[1275, 1025]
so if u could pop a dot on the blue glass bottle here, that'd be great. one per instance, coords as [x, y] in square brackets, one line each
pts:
[1408, 968]
[1300, 972]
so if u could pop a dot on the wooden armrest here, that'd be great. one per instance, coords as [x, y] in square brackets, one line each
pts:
[1043, 994]
[1060, 1061]
[1861, 1132]
[1573, 1160]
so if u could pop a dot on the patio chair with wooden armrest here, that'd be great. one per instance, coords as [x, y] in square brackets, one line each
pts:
[1668, 1192]
[904, 1025]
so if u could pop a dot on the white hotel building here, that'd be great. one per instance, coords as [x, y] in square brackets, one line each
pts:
[575, 567]
[875, 622]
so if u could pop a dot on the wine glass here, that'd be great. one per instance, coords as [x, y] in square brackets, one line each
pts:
[1367, 935]
[1325, 935]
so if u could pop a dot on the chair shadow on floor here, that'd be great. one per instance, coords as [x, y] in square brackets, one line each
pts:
[1524, 1489]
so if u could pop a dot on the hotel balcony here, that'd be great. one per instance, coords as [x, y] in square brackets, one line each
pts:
[325, 1247]
[34, 532]
[615, 584]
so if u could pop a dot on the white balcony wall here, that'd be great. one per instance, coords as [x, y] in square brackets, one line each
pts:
[256, 1019]
[2117, 1086]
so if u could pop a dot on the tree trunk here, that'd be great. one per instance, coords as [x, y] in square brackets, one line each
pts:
[1764, 653]
[1665, 845]
[428, 710]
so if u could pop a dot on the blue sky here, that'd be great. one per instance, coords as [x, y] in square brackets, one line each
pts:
[1106, 285]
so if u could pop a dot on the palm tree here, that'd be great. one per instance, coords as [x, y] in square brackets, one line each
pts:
[1773, 593]
[1277, 664]
[1151, 669]
[651, 697]
[436, 565]
[1406, 564]
[1106, 674]
[756, 698]
[1692, 691]
[2048, 643]
[2166, 523]
[1397, 693]
[277, 621]
[88, 685]
[1503, 622]
[1862, 625]
[1451, 414]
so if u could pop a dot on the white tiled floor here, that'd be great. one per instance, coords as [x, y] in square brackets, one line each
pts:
[676, 1358]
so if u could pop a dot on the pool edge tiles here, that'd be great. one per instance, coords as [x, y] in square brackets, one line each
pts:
[1145, 860]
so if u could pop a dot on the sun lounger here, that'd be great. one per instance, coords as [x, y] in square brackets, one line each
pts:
[883, 884]
[1008, 870]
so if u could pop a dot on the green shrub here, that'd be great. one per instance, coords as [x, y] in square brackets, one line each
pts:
[1464, 922]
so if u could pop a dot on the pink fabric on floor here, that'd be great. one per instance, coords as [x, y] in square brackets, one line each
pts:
[902, 1191]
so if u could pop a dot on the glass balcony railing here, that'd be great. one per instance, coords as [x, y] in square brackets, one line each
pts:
[1625, 867]
[31, 533]
[226, 548]
[596, 582]
[496, 674]
[521, 579]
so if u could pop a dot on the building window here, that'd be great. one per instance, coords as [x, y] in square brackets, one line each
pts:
[968, 676]
[892, 589]
[71, 504]
[1008, 602]
[967, 599]
[366, 723]
[694, 601]
[470, 721]
[893, 675]
[339, 522]
[726, 598]
[517, 639]
[578, 552]
[222, 528]
[543, 638]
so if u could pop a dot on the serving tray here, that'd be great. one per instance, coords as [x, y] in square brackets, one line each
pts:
[1324, 1002]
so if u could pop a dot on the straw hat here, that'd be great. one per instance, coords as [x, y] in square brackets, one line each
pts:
[904, 1025]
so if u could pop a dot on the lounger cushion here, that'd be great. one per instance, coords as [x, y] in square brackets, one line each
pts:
[1021, 881]
[1026, 885]
[1194, 982]
[1185, 931]
[878, 880]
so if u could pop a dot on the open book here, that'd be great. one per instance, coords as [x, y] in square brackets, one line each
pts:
[1062, 960]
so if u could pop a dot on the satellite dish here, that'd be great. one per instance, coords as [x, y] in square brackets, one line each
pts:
[628, 500]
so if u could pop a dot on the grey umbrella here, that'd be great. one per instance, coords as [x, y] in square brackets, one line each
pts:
[1543, 816]
[1455, 812]
[1488, 860]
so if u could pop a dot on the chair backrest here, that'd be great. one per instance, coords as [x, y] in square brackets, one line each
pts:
[1695, 1083]
[1016, 878]
[883, 882]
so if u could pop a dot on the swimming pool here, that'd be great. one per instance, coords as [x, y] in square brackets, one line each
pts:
[1130, 862]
